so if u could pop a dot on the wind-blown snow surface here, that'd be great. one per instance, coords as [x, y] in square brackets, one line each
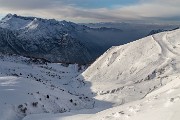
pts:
[140, 79]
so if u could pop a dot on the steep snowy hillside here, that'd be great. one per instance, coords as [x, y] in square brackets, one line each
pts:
[127, 70]
[7, 39]
[132, 71]
[140, 80]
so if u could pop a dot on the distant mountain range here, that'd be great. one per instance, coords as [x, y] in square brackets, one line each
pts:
[62, 41]
[161, 30]
[41, 38]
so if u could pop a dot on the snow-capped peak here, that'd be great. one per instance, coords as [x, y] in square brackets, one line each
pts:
[14, 22]
[33, 25]
[8, 16]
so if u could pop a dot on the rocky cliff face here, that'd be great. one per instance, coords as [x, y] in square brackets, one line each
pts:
[7, 40]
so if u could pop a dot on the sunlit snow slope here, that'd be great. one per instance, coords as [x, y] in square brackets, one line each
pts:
[131, 71]
[140, 79]
[145, 70]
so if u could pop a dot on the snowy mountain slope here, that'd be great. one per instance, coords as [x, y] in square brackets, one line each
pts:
[141, 79]
[14, 23]
[7, 39]
[31, 87]
[162, 104]
[52, 40]
[127, 70]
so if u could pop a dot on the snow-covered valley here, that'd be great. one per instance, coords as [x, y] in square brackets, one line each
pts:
[29, 87]
[136, 81]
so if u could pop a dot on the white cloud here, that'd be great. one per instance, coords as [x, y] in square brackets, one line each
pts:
[144, 10]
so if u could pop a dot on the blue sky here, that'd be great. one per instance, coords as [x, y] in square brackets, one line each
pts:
[96, 10]
[100, 3]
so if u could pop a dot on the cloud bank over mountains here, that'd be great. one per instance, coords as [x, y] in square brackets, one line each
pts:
[96, 11]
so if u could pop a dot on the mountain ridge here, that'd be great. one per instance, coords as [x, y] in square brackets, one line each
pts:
[36, 36]
[48, 39]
